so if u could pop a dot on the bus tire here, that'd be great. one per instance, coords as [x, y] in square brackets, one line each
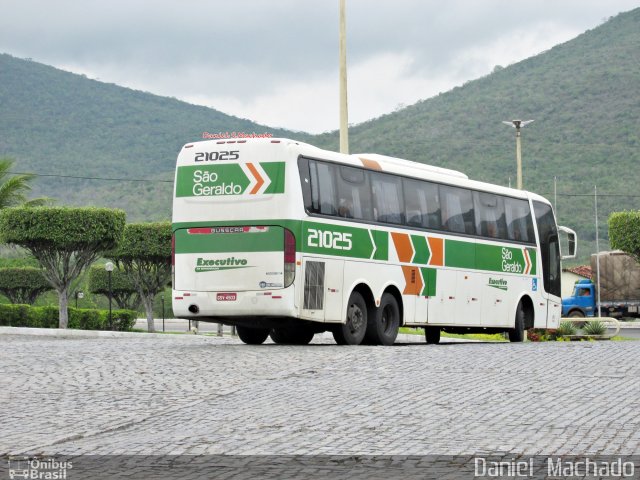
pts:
[352, 331]
[432, 335]
[252, 336]
[516, 334]
[383, 326]
[291, 335]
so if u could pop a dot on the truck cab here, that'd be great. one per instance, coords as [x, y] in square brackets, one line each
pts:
[583, 301]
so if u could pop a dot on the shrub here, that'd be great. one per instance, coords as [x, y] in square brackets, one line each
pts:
[23, 285]
[594, 327]
[566, 329]
[79, 318]
[624, 232]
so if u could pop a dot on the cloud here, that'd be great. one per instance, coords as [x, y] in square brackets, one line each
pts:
[276, 62]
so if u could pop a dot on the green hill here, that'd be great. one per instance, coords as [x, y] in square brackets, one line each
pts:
[55, 122]
[584, 96]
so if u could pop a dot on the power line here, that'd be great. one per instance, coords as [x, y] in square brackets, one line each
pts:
[91, 178]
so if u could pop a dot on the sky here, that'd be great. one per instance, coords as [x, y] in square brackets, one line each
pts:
[276, 61]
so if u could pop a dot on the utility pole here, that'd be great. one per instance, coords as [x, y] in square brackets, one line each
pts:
[344, 121]
[518, 124]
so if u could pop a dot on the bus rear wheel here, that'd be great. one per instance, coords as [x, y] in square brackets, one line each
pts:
[252, 336]
[383, 328]
[516, 334]
[352, 331]
[292, 335]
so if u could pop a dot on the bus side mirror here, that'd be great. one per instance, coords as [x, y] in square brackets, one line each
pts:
[570, 240]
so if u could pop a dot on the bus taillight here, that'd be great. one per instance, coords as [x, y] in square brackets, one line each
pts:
[289, 257]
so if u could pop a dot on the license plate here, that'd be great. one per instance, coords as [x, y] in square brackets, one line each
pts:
[226, 297]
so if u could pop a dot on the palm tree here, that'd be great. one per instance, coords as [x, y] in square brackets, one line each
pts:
[14, 187]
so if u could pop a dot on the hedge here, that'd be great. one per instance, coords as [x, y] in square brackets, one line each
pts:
[79, 318]
[62, 228]
[23, 284]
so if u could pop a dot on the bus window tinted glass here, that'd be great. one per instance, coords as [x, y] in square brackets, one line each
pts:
[323, 197]
[422, 205]
[354, 194]
[518, 219]
[490, 221]
[457, 210]
[387, 198]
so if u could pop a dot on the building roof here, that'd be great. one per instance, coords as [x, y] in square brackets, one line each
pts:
[581, 270]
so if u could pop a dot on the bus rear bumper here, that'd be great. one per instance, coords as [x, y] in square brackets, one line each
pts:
[210, 305]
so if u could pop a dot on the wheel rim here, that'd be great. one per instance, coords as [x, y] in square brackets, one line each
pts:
[386, 319]
[356, 318]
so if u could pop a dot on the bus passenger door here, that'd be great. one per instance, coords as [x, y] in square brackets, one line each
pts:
[322, 289]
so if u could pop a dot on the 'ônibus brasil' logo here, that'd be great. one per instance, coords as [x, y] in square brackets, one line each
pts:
[212, 265]
[498, 283]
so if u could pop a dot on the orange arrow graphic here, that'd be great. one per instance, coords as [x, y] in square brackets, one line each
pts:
[255, 173]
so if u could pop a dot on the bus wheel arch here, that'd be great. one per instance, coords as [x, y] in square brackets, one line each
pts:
[526, 303]
[523, 319]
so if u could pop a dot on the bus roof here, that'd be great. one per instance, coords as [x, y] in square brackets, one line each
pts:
[388, 164]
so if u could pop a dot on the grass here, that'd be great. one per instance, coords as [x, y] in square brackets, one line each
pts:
[485, 337]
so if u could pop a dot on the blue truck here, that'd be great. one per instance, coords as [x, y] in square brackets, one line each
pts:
[619, 289]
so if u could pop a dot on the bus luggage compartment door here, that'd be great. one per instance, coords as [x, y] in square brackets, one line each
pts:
[322, 289]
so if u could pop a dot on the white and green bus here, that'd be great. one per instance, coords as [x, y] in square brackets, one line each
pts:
[280, 238]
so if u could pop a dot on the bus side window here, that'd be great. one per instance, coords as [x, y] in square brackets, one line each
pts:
[323, 197]
[354, 193]
[457, 209]
[518, 220]
[490, 220]
[388, 201]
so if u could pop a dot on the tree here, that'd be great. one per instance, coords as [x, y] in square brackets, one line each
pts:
[64, 240]
[145, 255]
[624, 232]
[23, 285]
[14, 188]
[123, 290]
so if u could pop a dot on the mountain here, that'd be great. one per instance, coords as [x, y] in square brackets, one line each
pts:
[584, 96]
[55, 122]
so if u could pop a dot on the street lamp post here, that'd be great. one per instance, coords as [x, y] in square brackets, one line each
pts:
[518, 124]
[162, 298]
[78, 295]
[109, 268]
[344, 122]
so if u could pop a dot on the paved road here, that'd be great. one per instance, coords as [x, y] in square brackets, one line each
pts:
[184, 394]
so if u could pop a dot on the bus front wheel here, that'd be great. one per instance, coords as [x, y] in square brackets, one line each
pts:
[432, 335]
[352, 331]
[516, 334]
[252, 336]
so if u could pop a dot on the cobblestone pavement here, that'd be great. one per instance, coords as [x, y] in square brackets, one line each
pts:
[186, 394]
